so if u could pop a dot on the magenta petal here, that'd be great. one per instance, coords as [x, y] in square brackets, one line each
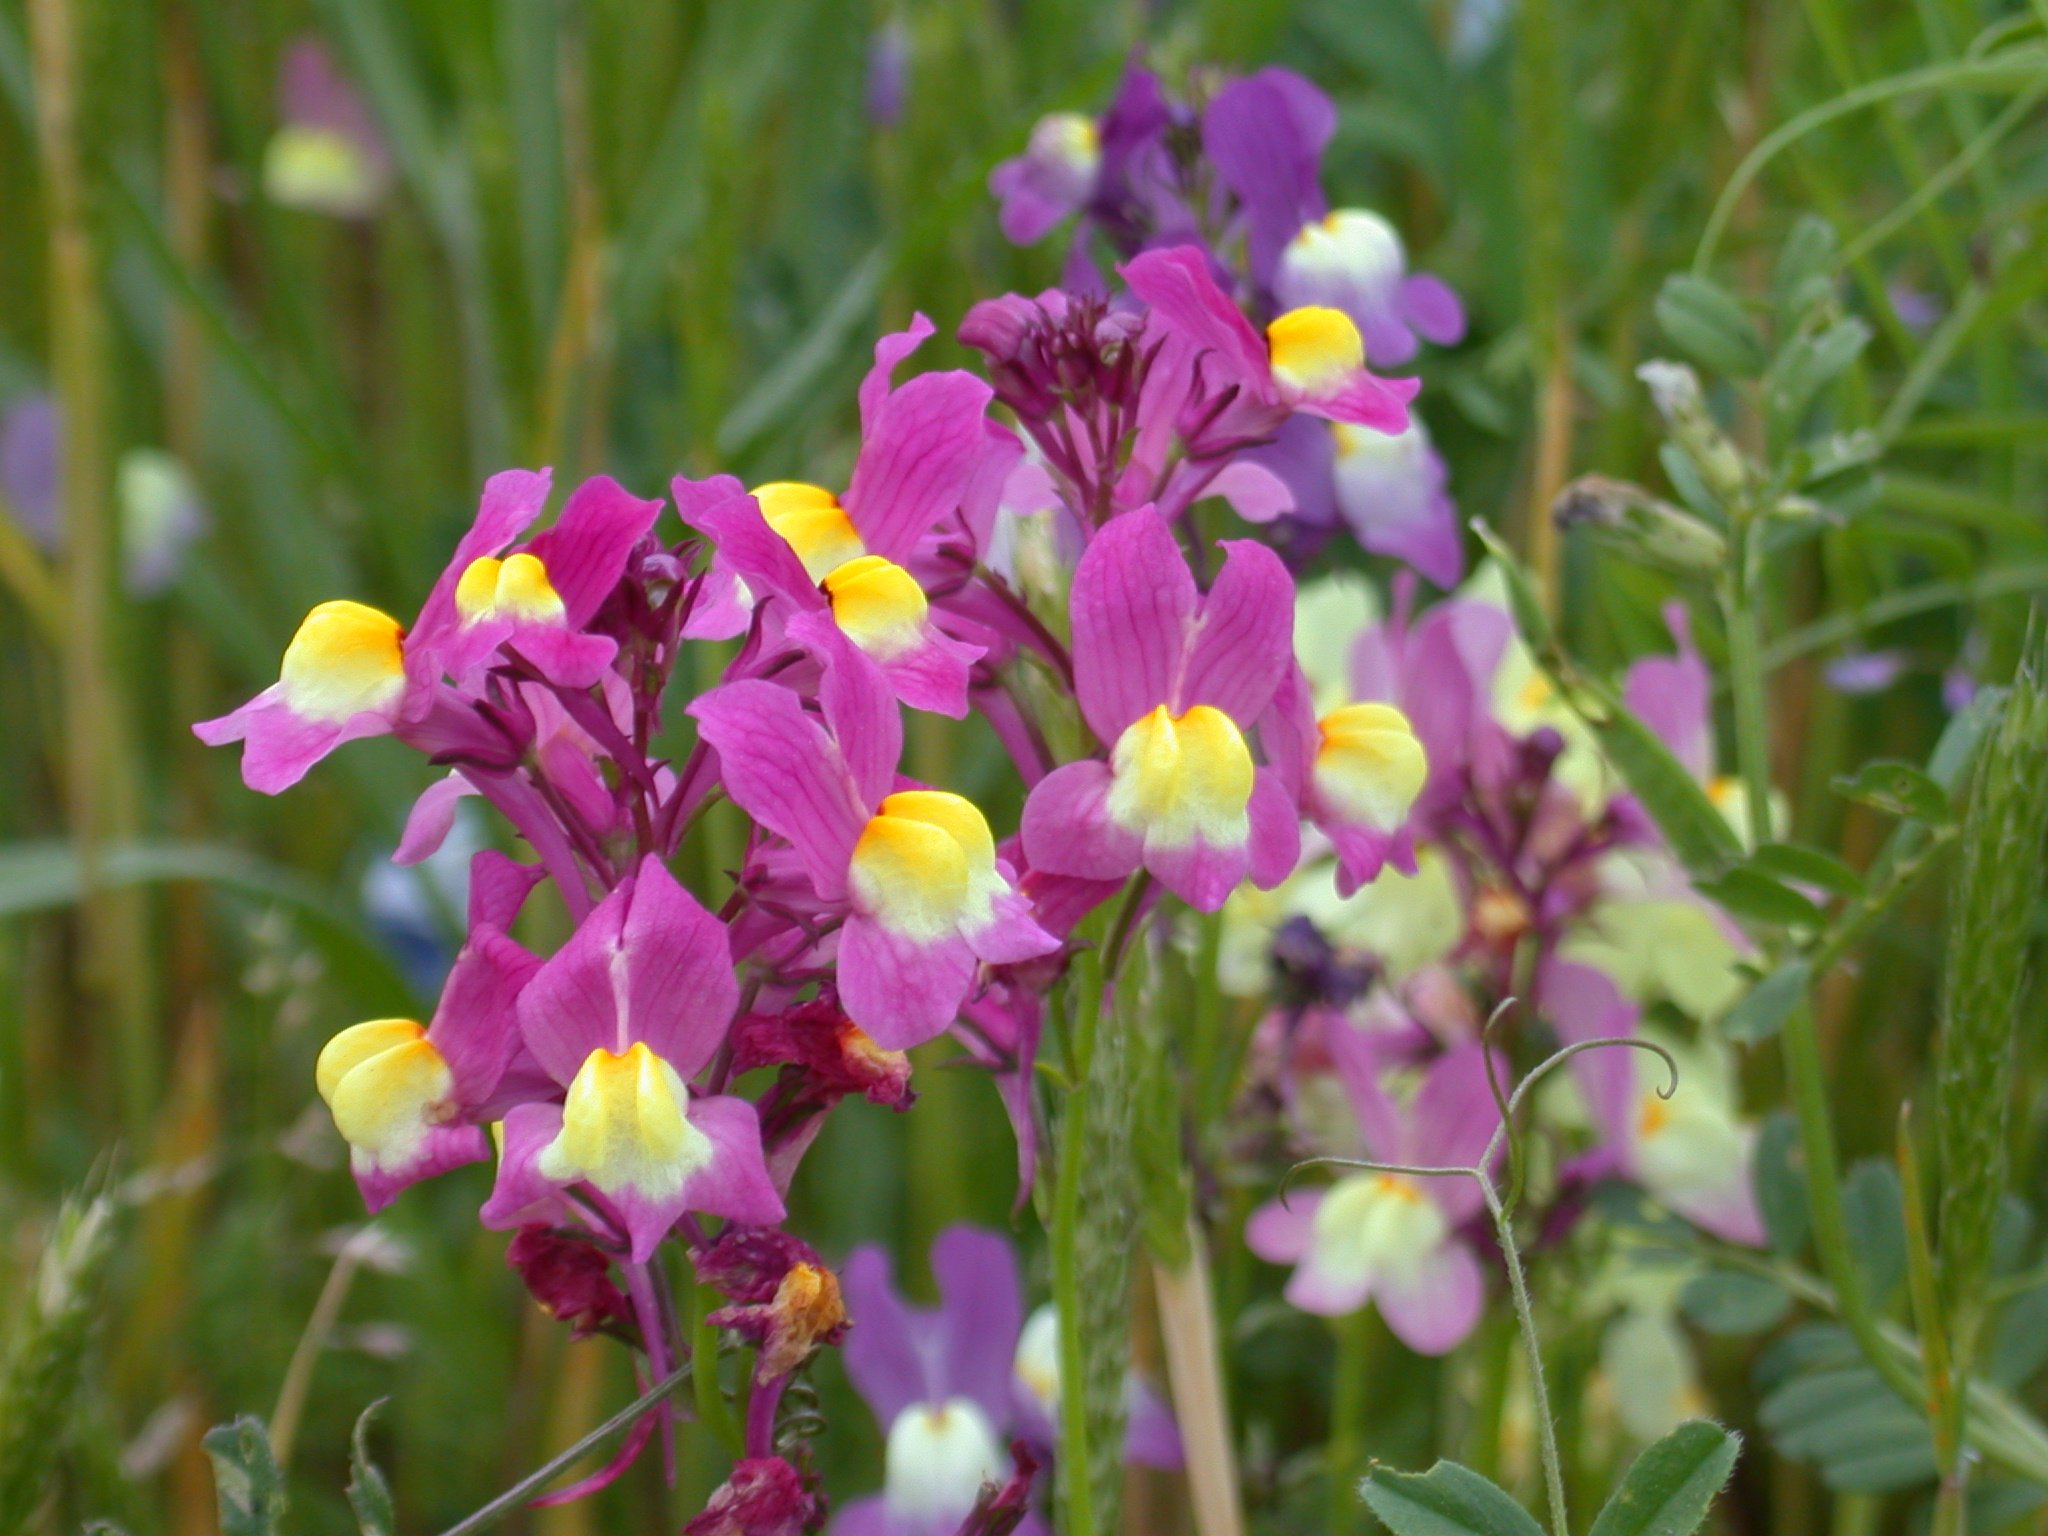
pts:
[721, 510]
[1201, 874]
[279, 746]
[498, 888]
[1182, 293]
[522, 1192]
[917, 462]
[981, 1312]
[890, 350]
[512, 499]
[431, 818]
[1432, 1308]
[1280, 1234]
[1254, 492]
[1362, 852]
[866, 1516]
[1367, 400]
[1244, 641]
[901, 991]
[445, 1147]
[566, 657]
[650, 966]
[1583, 1003]
[1275, 830]
[1067, 830]
[585, 552]
[781, 768]
[1450, 1122]
[1432, 308]
[628, 1453]
[1133, 601]
[735, 1183]
[859, 706]
[932, 676]
[476, 1027]
[1011, 935]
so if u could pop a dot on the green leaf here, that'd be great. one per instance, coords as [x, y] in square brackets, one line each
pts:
[1734, 1302]
[1698, 833]
[1898, 788]
[1669, 1489]
[1808, 364]
[1710, 327]
[1762, 1013]
[369, 1495]
[1746, 893]
[1804, 274]
[1780, 1184]
[44, 876]
[1807, 866]
[1447, 1500]
[246, 1482]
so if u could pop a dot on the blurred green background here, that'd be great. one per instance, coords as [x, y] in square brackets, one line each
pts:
[639, 238]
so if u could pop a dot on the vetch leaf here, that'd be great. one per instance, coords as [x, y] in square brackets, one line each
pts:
[1899, 788]
[1807, 866]
[1710, 327]
[1746, 893]
[1447, 1500]
[247, 1485]
[1731, 1301]
[1669, 1489]
[369, 1495]
[1762, 1013]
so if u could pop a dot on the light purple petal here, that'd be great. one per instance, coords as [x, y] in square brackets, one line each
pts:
[901, 991]
[522, 1192]
[981, 1311]
[1255, 493]
[1265, 134]
[1367, 400]
[1243, 641]
[1133, 601]
[1281, 1234]
[1432, 1308]
[1012, 934]
[1674, 697]
[1431, 306]
[932, 675]
[1326, 1295]
[1584, 1004]
[781, 768]
[1151, 1437]
[444, 1147]
[882, 1350]
[1067, 831]
[279, 745]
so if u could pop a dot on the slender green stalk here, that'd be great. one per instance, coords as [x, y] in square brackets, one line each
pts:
[511, 1499]
[1945, 1405]
[1348, 1403]
[1077, 1506]
[1532, 1344]
[1752, 712]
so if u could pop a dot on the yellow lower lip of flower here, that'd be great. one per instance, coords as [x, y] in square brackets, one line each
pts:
[1179, 779]
[878, 605]
[811, 522]
[384, 1081]
[1315, 349]
[516, 587]
[346, 659]
[626, 1126]
[1370, 767]
[1373, 1224]
[912, 874]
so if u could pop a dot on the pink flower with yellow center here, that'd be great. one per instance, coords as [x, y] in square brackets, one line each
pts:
[927, 450]
[632, 1007]
[1171, 681]
[352, 671]
[1309, 359]
[927, 901]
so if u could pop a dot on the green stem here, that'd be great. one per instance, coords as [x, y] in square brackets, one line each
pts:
[1077, 1501]
[1752, 714]
[713, 1411]
[1347, 1419]
[1539, 1390]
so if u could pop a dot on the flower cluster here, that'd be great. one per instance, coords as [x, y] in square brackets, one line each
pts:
[1234, 174]
[1532, 876]
[653, 1083]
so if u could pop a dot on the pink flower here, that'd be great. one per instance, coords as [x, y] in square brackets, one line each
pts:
[915, 871]
[1309, 359]
[925, 452]
[1171, 680]
[634, 1005]
[1392, 1238]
